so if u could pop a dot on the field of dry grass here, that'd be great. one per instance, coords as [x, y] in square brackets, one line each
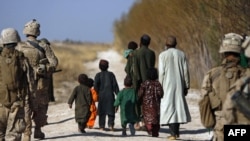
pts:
[71, 58]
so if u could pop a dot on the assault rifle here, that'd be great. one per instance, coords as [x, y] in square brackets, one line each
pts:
[42, 64]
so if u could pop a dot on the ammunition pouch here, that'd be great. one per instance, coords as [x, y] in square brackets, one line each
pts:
[214, 100]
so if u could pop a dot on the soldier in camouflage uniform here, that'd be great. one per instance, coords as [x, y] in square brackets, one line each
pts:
[37, 52]
[16, 85]
[232, 112]
[218, 80]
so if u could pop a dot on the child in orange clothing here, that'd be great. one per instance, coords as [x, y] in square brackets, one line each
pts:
[93, 109]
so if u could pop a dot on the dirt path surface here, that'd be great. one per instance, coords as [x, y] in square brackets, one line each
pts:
[62, 125]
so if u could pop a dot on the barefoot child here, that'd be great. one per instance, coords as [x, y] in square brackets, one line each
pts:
[150, 94]
[93, 109]
[82, 97]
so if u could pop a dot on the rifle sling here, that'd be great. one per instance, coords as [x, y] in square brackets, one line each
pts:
[37, 46]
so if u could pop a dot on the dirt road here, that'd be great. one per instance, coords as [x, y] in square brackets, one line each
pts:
[62, 126]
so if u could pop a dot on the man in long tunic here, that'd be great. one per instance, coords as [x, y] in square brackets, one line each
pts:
[174, 77]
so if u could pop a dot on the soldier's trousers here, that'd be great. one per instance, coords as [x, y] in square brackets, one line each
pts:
[28, 121]
[40, 115]
[219, 127]
[42, 102]
[12, 124]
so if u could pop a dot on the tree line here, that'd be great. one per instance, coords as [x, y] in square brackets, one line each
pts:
[199, 26]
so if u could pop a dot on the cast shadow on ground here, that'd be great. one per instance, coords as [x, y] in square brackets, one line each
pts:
[80, 134]
[91, 133]
[62, 121]
[184, 131]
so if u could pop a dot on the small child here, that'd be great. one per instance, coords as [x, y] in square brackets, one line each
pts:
[129, 54]
[83, 99]
[127, 100]
[107, 87]
[150, 94]
[93, 109]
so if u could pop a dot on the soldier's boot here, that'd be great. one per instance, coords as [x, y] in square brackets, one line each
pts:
[26, 137]
[38, 133]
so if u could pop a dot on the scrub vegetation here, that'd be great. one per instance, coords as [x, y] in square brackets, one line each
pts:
[71, 58]
[199, 26]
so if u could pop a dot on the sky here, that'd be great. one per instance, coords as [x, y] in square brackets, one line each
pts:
[78, 20]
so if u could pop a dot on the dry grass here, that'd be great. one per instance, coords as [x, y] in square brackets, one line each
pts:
[71, 59]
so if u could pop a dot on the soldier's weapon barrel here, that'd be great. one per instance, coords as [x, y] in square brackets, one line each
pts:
[57, 71]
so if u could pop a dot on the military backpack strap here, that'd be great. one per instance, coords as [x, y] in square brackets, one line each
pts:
[214, 97]
[37, 46]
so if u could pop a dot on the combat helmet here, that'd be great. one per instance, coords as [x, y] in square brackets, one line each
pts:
[32, 28]
[231, 43]
[9, 35]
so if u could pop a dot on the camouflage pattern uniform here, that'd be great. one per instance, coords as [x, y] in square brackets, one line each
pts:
[218, 80]
[231, 113]
[14, 95]
[50, 76]
[36, 51]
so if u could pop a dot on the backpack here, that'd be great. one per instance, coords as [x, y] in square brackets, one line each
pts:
[206, 113]
[13, 78]
[215, 98]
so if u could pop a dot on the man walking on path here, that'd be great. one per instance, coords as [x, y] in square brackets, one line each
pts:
[37, 53]
[174, 77]
[144, 59]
